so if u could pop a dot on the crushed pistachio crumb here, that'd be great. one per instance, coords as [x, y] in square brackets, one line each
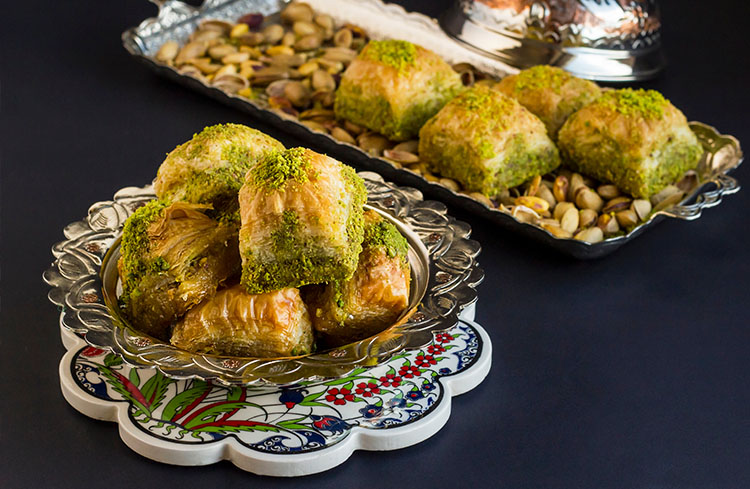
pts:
[383, 233]
[281, 166]
[394, 53]
[649, 104]
[541, 77]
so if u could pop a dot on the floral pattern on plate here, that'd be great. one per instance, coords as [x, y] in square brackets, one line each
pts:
[293, 419]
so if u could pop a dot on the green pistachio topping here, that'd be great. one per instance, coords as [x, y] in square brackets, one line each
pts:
[197, 145]
[541, 77]
[485, 102]
[396, 54]
[649, 104]
[135, 243]
[281, 166]
[383, 233]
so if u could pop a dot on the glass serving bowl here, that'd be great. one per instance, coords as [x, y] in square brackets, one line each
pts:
[444, 274]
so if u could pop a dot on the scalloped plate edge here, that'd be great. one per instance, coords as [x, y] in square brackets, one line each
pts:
[284, 465]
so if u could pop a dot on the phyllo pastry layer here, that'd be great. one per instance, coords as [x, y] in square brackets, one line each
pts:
[301, 218]
[393, 87]
[173, 256]
[210, 168]
[487, 141]
[233, 322]
[550, 93]
[635, 139]
[374, 297]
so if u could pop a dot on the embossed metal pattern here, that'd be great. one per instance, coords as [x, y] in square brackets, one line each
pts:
[607, 40]
[444, 267]
[177, 21]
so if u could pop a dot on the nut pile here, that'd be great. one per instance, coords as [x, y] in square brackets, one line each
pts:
[294, 65]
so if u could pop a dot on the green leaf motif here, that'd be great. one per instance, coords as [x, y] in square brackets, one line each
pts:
[112, 360]
[134, 377]
[184, 398]
[155, 389]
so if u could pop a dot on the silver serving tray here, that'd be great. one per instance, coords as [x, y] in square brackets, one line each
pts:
[177, 20]
[444, 273]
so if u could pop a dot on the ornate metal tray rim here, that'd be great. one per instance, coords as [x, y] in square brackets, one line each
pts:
[709, 192]
[77, 288]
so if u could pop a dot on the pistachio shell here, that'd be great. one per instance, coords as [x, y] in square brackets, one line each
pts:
[450, 183]
[569, 220]
[343, 38]
[303, 28]
[524, 214]
[590, 235]
[307, 69]
[344, 55]
[239, 30]
[545, 193]
[191, 50]
[401, 156]
[288, 39]
[205, 65]
[230, 82]
[616, 204]
[608, 223]
[205, 36]
[273, 33]
[534, 185]
[167, 51]
[251, 38]
[221, 50]
[534, 203]
[287, 60]
[274, 50]
[576, 182]
[235, 58]
[642, 208]
[481, 198]
[556, 231]
[669, 201]
[221, 26]
[307, 43]
[560, 188]
[322, 80]
[608, 192]
[411, 146]
[226, 70]
[297, 94]
[373, 143]
[325, 21]
[353, 128]
[297, 11]
[561, 208]
[586, 218]
[627, 218]
[665, 193]
[270, 74]
[586, 198]
[342, 135]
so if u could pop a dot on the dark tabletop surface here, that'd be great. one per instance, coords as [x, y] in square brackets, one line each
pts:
[631, 371]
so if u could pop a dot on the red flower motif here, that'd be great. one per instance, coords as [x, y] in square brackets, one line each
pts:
[390, 380]
[91, 351]
[368, 389]
[435, 349]
[408, 371]
[425, 360]
[339, 397]
[443, 338]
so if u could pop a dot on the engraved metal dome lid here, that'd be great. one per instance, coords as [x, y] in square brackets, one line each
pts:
[603, 40]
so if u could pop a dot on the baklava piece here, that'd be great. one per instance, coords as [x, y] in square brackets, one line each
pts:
[374, 298]
[550, 93]
[210, 168]
[393, 87]
[173, 257]
[233, 322]
[487, 141]
[301, 216]
[635, 139]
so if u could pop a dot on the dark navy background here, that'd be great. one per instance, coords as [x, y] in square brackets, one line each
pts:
[628, 372]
